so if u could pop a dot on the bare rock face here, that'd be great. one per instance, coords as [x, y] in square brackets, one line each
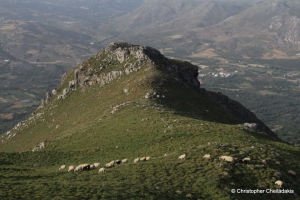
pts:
[132, 57]
[54, 92]
[122, 54]
[189, 75]
[123, 50]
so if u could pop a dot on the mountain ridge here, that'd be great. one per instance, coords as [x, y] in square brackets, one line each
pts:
[121, 59]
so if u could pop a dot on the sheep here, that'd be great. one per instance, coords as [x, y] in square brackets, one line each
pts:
[92, 167]
[246, 160]
[97, 165]
[109, 165]
[113, 162]
[279, 183]
[71, 168]
[102, 170]
[148, 158]
[118, 162]
[222, 157]
[78, 168]
[182, 157]
[206, 156]
[125, 160]
[136, 160]
[143, 159]
[62, 167]
[85, 167]
[227, 158]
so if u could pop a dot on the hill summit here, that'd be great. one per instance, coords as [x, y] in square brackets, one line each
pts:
[122, 58]
[130, 102]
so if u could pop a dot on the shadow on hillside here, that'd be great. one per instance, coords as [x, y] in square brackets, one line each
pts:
[188, 101]
[184, 97]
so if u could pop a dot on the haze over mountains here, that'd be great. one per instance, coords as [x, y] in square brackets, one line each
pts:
[248, 28]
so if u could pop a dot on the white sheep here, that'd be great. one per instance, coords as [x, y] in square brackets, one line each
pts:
[279, 183]
[222, 157]
[97, 165]
[182, 157]
[207, 156]
[227, 158]
[143, 159]
[125, 160]
[109, 165]
[78, 168]
[246, 160]
[148, 158]
[102, 170]
[136, 160]
[71, 168]
[92, 166]
[62, 167]
[113, 162]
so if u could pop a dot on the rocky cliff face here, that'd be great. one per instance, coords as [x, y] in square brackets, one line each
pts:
[122, 58]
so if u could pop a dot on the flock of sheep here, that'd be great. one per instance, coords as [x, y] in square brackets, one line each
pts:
[111, 164]
[84, 167]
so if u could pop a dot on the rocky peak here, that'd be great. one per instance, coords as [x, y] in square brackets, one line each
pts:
[122, 58]
[123, 49]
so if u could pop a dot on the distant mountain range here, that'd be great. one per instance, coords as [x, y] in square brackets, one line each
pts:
[247, 28]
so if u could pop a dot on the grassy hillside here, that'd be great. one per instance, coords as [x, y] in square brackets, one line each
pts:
[116, 121]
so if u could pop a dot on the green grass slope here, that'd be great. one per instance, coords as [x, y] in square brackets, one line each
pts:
[116, 121]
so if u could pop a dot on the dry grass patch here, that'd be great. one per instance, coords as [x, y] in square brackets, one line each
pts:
[7, 116]
[174, 37]
[17, 105]
[208, 53]
[256, 65]
[278, 55]
[249, 79]
[8, 27]
[246, 85]
[167, 50]
[266, 92]
[3, 100]
[32, 51]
